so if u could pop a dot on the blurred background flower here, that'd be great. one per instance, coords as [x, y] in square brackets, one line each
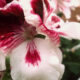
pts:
[71, 51]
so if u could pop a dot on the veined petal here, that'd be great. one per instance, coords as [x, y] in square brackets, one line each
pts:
[11, 20]
[51, 34]
[71, 30]
[32, 55]
[2, 62]
[50, 67]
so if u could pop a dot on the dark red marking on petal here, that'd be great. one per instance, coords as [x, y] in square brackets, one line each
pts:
[11, 19]
[58, 26]
[2, 3]
[47, 5]
[32, 56]
[8, 1]
[55, 19]
[37, 6]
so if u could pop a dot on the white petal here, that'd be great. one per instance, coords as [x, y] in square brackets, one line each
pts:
[50, 67]
[67, 13]
[71, 30]
[2, 61]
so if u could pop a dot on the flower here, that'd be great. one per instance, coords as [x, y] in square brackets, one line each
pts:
[29, 31]
[17, 33]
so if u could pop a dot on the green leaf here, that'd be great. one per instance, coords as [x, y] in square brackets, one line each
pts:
[7, 75]
[60, 14]
[40, 36]
[74, 67]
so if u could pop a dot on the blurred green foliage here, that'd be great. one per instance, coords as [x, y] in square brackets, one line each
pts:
[7, 75]
[71, 59]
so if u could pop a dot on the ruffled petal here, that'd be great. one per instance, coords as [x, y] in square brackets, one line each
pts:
[49, 68]
[70, 30]
[2, 62]
[11, 20]
[50, 27]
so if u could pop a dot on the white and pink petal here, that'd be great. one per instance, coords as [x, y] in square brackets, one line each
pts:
[70, 30]
[11, 20]
[48, 68]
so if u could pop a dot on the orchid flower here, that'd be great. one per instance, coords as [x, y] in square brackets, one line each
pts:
[29, 32]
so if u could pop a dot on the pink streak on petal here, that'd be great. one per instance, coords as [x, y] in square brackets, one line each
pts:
[53, 35]
[32, 56]
[37, 6]
[47, 5]
[10, 41]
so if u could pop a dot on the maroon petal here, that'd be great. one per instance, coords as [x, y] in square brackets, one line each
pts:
[11, 18]
[37, 6]
[2, 3]
[8, 1]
